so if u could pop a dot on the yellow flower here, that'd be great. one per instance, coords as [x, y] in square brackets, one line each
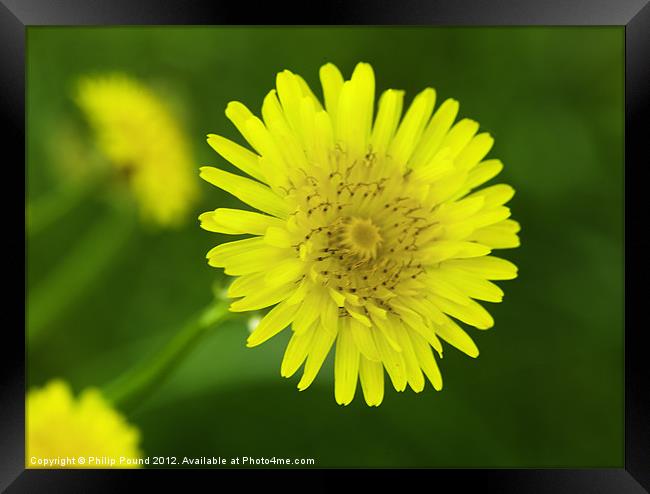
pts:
[373, 237]
[60, 429]
[137, 132]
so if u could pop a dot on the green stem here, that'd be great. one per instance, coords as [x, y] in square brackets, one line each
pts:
[71, 276]
[138, 382]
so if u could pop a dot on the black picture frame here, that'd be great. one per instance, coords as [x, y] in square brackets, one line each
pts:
[633, 15]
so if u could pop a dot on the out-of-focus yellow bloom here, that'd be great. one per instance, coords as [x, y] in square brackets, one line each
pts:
[61, 429]
[73, 160]
[139, 135]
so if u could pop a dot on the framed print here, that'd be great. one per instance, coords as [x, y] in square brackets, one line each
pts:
[387, 238]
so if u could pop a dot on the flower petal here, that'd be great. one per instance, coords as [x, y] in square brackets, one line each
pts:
[414, 375]
[237, 221]
[242, 158]
[495, 195]
[363, 78]
[308, 93]
[290, 95]
[371, 375]
[426, 360]
[308, 313]
[285, 271]
[472, 314]
[329, 315]
[242, 285]
[346, 366]
[253, 193]
[490, 267]
[443, 250]
[475, 151]
[412, 126]
[472, 285]
[364, 340]
[388, 115]
[414, 322]
[264, 297]
[287, 141]
[386, 329]
[502, 235]
[435, 133]
[393, 361]
[245, 256]
[459, 136]
[275, 321]
[320, 347]
[483, 172]
[260, 139]
[454, 335]
[332, 82]
[296, 352]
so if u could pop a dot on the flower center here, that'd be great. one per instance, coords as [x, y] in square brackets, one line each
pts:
[362, 228]
[361, 237]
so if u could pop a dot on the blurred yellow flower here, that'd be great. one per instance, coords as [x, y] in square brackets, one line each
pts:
[370, 237]
[74, 161]
[61, 429]
[138, 133]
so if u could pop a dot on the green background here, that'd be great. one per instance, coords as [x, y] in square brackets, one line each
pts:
[547, 389]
